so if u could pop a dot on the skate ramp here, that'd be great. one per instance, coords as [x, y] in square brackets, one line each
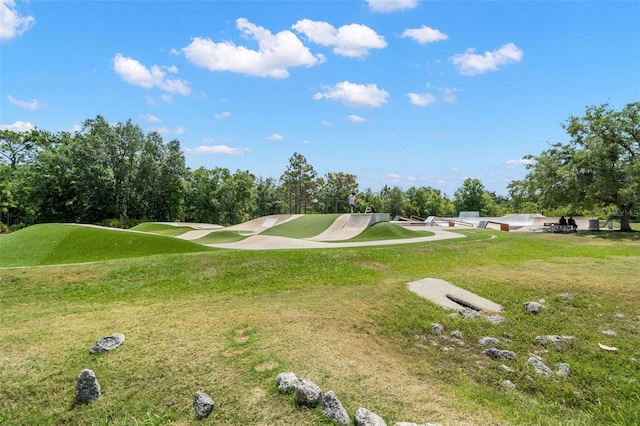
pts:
[349, 225]
[268, 242]
[260, 224]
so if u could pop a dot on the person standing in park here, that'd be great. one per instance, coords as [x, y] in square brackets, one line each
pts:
[352, 201]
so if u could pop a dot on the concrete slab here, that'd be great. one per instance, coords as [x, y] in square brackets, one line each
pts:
[450, 296]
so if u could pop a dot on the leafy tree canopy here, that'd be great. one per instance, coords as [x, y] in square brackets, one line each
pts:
[598, 167]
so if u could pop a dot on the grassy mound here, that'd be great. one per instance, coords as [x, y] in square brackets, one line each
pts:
[162, 229]
[50, 244]
[220, 237]
[388, 231]
[303, 227]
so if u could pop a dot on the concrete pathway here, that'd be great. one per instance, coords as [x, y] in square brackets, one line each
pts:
[264, 242]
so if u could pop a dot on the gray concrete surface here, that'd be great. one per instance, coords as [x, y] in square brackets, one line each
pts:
[443, 293]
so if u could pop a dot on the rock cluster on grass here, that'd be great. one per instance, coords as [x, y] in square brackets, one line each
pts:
[538, 366]
[554, 340]
[496, 319]
[286, 382]
[364, 417]
[508, 384]
[469, 313]
[437, 329]
[87, 386]
[424, 340]
[496, 353]
[489, 341]
[107, 343]
[307, 394]
[203, 404]
[473, 314]
[533, 307]
[564, 370]
[333, 409]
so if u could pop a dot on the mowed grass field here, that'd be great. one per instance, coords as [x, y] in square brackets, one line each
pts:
[227, 322]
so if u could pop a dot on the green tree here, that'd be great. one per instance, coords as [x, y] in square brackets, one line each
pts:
[336, 188]
[598, 167]
[159, 179]
[202, 197]
[18, 148]
[104, 171]
[470, 196]
[392, 201]
[172, 182]
[424, 202]
[298, 184]
[267, 201]
[236, 198]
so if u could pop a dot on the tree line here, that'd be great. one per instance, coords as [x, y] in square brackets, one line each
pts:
[116, 174]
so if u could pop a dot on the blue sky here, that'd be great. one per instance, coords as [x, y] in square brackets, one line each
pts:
[400, 93]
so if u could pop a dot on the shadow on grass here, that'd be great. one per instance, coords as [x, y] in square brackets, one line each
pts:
[631, 236]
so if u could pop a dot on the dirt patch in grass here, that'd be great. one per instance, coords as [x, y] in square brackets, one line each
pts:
[267, 366]
[242, 336]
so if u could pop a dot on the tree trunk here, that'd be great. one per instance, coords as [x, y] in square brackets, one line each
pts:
[625, 214]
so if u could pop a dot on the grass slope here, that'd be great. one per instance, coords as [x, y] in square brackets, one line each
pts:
[227, 322]
[220, 237]
[388, 231]
[162, 229]
[50, 244]
[303, 227]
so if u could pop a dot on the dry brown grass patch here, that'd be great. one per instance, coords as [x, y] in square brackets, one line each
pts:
[266, 366]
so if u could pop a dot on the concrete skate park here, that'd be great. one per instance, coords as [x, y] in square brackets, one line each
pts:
[349, 225]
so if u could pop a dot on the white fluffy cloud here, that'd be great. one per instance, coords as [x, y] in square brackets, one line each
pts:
[275, 137]
[356, 118]
[167, 131]
[449, 94]
[470, 63]
[222, 115]
[354, 40]
[354, 95]
[424, 35]
[511, 164]
[275, 53]
[18, 126]
[386, 6]
[30, 105]
[421, 99]
[133, 72]
[12, 24]
[151, 118]
[216, 150]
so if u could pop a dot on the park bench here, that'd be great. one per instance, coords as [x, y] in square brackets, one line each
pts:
[555, 227]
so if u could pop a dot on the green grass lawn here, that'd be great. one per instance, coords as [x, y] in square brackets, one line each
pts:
[49, 244]
[227, 322]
